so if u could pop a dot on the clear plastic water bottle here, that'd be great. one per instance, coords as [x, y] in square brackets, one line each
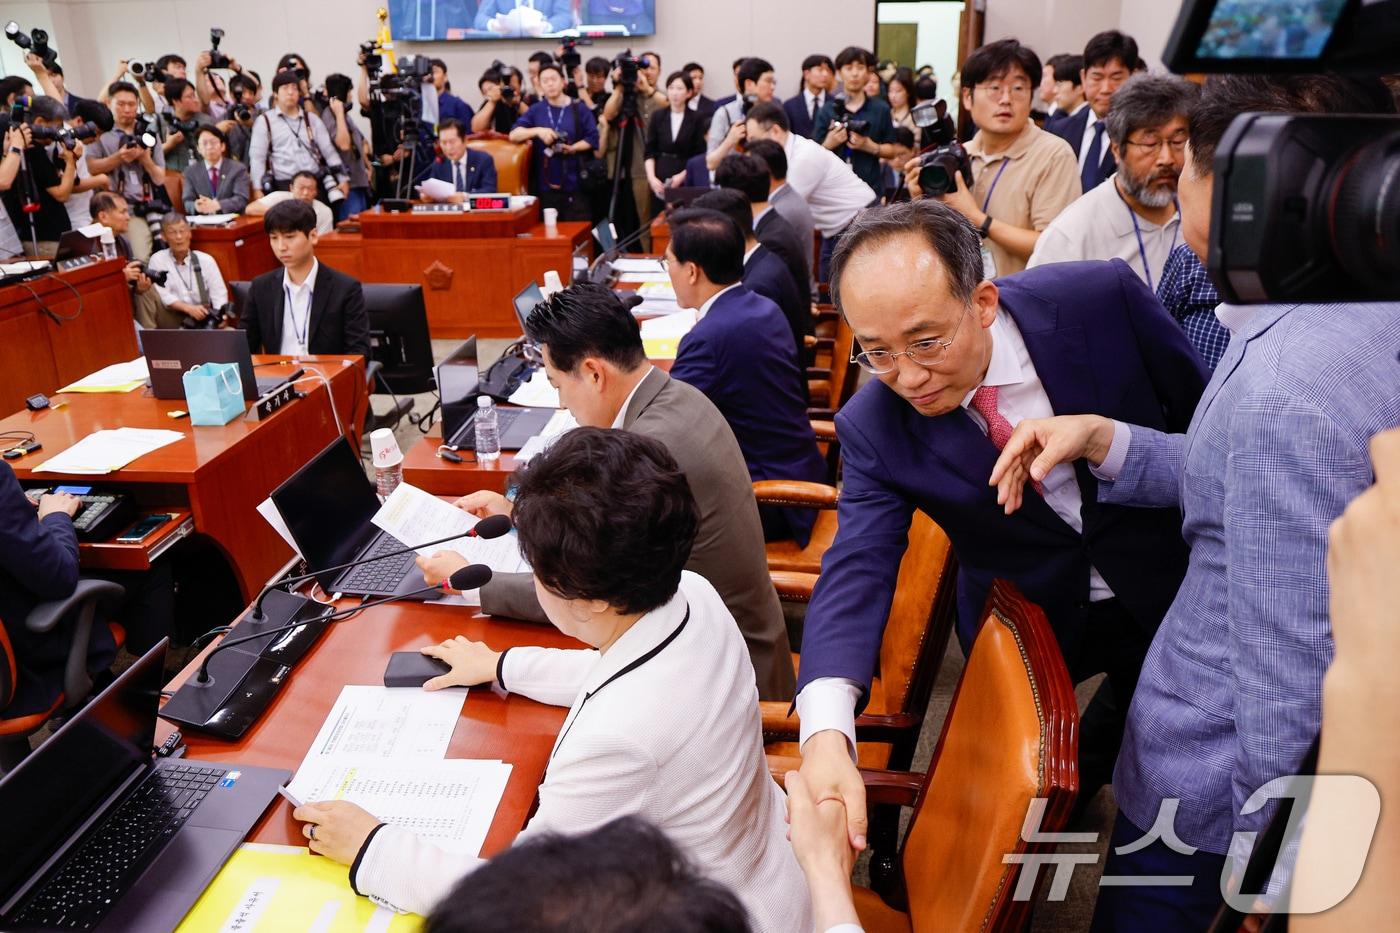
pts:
[109, 244]
[387, 479]
[488, 432]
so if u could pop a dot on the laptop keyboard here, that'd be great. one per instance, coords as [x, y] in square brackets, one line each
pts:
[381, 576]
[505, 417]
[96, 874]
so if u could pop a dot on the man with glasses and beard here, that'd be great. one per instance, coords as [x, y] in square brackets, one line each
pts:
[1134, 216]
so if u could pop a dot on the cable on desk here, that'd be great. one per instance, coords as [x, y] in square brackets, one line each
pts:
[24, 437]
[330, 398]
[72, 288]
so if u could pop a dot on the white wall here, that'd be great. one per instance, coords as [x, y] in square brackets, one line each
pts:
[1054, 26]
[938, 38]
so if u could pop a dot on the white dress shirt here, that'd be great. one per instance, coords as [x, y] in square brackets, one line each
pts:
[325, 220]
[1101, 225]
[676, 120]
[830, 702]
[808, 97]
[296, 312]
[78, 201]
[622, 412]
[180, 282]
[677, 740]
[1087, 140]
[704, 309]
[833, 192]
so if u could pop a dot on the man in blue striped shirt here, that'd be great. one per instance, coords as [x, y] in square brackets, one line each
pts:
[1230, 693]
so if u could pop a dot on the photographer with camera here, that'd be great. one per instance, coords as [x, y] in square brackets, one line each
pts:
[112, 211]
[450, 106]
[501, 105]
[350, 142]
[593, 85]
[16, 141]
[134, 73]
[245, 105]
[86, 117]
[190, 285]
[858, 128]
[561, 129]
[288, 141]
[215, 184]
[36, 201]
[133, 160]
[304, 187]
[181, 125]
[623, 143]
[1022, 177]
[757, 85]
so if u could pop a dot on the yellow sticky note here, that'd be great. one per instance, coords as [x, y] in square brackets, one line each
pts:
[266, 889]
[661, 348]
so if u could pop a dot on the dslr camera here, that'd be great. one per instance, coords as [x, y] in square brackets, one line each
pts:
[242, 113]
[37, 42]
[840, 116]
[213, 319]
[65, 136]
[560, 148]
[145, 71]
[217, 59]
[159, 278]
[330, 182]
[943, 157]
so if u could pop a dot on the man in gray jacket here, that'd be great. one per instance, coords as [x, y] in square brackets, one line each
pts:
[593, 354]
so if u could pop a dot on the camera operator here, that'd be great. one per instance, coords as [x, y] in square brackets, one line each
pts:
[649, 96]
[16, 141]
[450, 106]
[287, 141]
[501, 105]
[756, 86]
[215, 184]
[51, 176]
[561, 130]
[112, 211]
[135, 170]
[82, 112]
[182, 124]
[1022, 177]
[304, 187]
[50, 80]
[593, 86]
[350, 142]
[237, 124]
[859, 128]
[12, 88]
[214, 104]
[193, 287]
[633, 200]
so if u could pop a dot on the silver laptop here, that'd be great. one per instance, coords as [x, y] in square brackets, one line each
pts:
[172, 352]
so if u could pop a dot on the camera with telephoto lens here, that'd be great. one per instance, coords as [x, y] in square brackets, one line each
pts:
[139, 139]
[330, 182]
[65, 136]
[145, 71]
[943, 157]
[569, 57]
[190, 128]
[628, 67]
[242, 113]
[36, 42]
[840, 116]
[159, 278]
[217, 59]
[213, 319]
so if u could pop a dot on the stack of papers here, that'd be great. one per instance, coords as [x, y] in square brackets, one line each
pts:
[119, 377]
[560, 423]
[106, 451]
[536, 392]
[661, 336]
[658, 291]
[437, 189]
[410, 514]
[210, 220]
[382, 749]
[24, 267]
[652, 268]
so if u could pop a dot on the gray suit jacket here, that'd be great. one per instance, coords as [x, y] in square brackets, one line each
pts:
[729, 547]
[233, 186]
[793, 208]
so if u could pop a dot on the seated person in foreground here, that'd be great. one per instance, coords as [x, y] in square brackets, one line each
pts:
[663, 719]
[625, 875]
[466, 169]
[194, 286]
[741, 355]
[215, 183]
[304, 188]
[326, 313]
[593, 355]
[113, 212]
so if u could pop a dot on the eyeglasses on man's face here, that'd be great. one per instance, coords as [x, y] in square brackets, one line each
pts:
[928, 353]
[1147, 144]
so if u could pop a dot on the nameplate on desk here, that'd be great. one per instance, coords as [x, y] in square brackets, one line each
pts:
[439, 208]
[276, 399]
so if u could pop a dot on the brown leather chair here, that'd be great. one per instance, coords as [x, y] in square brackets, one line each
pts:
[828, 388]
[512, 160]
[786, 555]
[1011, 737]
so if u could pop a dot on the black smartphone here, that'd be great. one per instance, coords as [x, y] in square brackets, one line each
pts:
[412, 669]
[144, 528]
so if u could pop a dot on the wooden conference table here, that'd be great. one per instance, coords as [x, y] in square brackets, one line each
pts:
[513, 729]
[240, 248]
[214, 478]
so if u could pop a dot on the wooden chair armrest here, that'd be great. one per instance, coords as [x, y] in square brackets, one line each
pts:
[795, 493]
[778, 725]
[823, 429]
[900, 788]
[817, 413]
[825, 311]
[819, 372]
[818, 388]
[889, 727]
[793, 586]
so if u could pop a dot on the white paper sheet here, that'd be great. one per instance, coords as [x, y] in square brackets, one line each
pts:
[391, 724]
[24, 266]
[210, 220]
[437, 189]
[118, 374]
[658, 290]
[560, 423]
[671, 325]
[107, 451]
[653, 268]
[410, 514]
[268, 510]
[536, 392]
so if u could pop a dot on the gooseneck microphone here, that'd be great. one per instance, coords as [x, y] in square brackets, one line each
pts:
[492, 526]
[471, 577]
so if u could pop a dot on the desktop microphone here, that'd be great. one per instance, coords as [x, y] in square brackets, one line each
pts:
[607, 256]
[470, 577]
[493, 526]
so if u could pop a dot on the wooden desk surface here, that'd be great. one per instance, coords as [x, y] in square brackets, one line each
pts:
[240, 248]
[378, 224]
[513, 729]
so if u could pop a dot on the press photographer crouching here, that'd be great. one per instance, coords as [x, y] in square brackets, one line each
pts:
[562, 129]
[189, 283]
[287, 140]
[114, 212]
[304, 188]
[133, 161]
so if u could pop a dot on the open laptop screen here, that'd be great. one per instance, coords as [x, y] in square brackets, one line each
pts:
[58, 786]
[525, 302]
[327, 506]
[458, 379]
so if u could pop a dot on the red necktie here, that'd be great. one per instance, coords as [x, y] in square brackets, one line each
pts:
[214, 180]
[984, 402]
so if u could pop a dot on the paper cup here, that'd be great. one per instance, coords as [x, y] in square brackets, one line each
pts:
[385, 449]
[551, 219]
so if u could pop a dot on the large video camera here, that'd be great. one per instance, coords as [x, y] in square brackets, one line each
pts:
[943, 157]
[36, 42]
[628, 67]
[396, 117]
[1306, 207]
[217, 59]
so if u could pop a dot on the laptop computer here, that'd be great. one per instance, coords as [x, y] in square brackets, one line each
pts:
[459, 383]
[328, 505]
[170, 353]
[74, 244]
[100, 834]
[525, 301]
[605, 235]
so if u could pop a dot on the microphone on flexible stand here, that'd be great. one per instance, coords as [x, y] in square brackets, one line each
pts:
[601, 269]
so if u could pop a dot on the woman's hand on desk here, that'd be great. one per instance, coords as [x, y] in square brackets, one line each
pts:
[472, 663]
[336, 829]
[484, 504]
[440, 565]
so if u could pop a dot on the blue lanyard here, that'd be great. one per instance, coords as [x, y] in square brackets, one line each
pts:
[1142, 248]
[300, 333]
[988, 199]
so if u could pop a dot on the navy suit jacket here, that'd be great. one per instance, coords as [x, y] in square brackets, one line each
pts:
[1071, 130]
[697, 173]
[1101, 343]
[741, 356]
[481, 171]
[765, 274]
[798, 115]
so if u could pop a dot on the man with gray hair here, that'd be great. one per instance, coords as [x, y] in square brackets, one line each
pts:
[1134, 216]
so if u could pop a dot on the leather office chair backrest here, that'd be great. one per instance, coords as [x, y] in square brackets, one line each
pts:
[9, 672]
[175, 187]
[1010, 736]
[512, 161]
[920, 620]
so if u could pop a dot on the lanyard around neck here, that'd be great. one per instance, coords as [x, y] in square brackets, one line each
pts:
[988, 199]
[1137, 230]
[304, 331]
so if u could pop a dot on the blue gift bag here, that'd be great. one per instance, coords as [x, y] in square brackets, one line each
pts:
[214, 393]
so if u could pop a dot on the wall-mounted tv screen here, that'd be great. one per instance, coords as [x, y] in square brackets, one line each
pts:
[423, 20]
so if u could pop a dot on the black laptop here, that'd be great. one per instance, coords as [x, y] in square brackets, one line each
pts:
[170, 353]
[459, 383]
[525, 301]
[100, 834]
[328, 506]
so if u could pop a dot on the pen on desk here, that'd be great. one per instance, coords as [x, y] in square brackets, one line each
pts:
[288, 795]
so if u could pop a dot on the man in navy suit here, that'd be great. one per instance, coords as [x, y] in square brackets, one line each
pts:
[818, 76]
[697, 173]
[959, 360]
[1110, 59]
[465, 169]
[740, 354]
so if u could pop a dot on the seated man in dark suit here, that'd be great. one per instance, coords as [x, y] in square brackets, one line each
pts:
[307, 308]
[467, 169]
[958, 361]
[748, 174]
[593, 353]
[215, 183]
[764, 272]
[740, 354]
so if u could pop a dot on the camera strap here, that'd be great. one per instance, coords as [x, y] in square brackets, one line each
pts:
[306, 120]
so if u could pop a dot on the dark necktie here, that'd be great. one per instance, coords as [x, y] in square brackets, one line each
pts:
[816, 105]
[1089, 174]
[214, 181]
[461, 182]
